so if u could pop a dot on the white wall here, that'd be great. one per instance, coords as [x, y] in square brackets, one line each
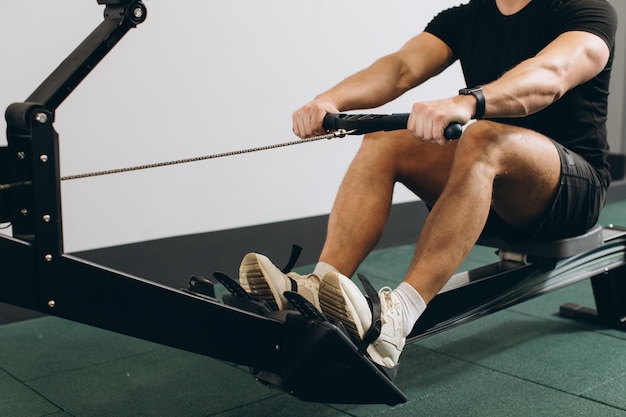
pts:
[201, 77]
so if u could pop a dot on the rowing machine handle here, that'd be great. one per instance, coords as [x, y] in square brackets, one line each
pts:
[367, 123]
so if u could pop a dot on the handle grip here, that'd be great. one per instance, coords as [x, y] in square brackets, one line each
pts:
[367, 123]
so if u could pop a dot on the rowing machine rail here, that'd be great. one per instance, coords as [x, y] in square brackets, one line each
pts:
[303, 354]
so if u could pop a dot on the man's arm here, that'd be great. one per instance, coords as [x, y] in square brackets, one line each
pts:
[386, 79]
[571, 59]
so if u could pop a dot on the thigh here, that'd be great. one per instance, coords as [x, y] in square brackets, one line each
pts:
[578, 201]
[564, 189]
[524, 167]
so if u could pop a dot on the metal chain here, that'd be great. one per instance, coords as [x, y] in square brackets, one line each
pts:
[337, 134]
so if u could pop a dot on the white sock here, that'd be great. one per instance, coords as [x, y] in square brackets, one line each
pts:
[412, 303]
[322, 268]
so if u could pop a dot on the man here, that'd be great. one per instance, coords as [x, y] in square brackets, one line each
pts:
[532, 167]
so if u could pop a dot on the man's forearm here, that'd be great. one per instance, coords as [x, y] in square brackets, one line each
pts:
[572, 59]
[372, 87]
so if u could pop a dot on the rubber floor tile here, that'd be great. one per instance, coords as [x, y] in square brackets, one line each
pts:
[46, 346]
[497, 395]
[166, 382]
[18, 400]
[423, 373]
[282, 406]
[558, 354]
[612, 392]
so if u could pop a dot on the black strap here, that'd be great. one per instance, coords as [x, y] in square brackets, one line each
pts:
[477, 92]
[304, 306]
[294, 284]
[232, 286]
[372, 334]
[293, 259]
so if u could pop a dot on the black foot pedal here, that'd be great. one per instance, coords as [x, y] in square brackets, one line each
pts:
[201, 285]
[304, 306]
[239, 298]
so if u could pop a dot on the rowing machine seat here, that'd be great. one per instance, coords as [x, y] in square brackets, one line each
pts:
[555, 249]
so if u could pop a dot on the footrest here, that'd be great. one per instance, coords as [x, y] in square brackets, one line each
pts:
[320, 363]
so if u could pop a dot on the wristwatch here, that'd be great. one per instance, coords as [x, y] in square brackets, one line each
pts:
[480, 99]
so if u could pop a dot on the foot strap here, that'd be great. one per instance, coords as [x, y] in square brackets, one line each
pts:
[293, 259]
[373, 300]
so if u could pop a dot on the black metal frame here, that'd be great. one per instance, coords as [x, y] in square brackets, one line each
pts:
[310, 358]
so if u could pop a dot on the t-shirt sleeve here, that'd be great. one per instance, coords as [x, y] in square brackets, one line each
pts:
[448, 26]
[593, 16]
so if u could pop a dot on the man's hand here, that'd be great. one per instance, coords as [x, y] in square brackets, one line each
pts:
[428, 120]
[307, 121]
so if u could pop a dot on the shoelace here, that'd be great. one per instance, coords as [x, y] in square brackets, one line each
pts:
[385, 294]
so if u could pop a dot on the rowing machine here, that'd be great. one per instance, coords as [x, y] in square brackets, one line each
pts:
[299, 352]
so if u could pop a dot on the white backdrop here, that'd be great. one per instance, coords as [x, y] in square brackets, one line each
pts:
[201, 77]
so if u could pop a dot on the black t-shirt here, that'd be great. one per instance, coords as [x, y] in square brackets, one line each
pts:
[488, 43]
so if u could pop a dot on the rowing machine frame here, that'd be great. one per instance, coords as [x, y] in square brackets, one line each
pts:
[311, 359]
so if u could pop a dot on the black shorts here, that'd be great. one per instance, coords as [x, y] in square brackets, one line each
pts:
[576, 207]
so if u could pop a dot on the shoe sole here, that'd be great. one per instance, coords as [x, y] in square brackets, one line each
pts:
[337, 306]
[253, 277]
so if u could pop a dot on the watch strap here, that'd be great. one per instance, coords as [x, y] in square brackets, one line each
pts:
[477, 92]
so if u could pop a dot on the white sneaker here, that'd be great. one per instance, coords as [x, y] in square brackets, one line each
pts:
[263, 280]
[342, 301]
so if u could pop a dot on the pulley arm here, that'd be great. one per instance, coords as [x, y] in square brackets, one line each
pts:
[119, 17]
[29, 121]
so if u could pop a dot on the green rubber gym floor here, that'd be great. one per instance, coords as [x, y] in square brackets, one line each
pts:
[523, 361]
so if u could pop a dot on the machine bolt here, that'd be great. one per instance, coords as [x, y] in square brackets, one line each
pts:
[21, 155]
[46, 218]
[138, 12]
[41, 118]
[24, 212]
[48, 258]
[277, 348]
[43, 158]
[52, 304]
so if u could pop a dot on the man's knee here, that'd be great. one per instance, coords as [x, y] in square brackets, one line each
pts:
[481, 142]
[483, 134]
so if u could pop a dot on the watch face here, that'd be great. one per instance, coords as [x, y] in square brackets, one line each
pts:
[467, 91]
